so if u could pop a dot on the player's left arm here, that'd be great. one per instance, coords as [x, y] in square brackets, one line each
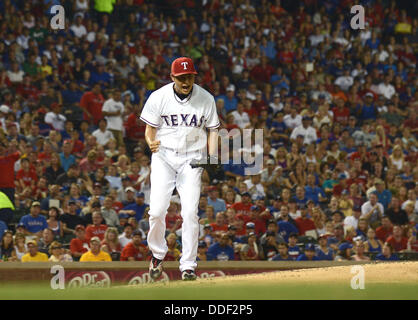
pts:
[213, 142]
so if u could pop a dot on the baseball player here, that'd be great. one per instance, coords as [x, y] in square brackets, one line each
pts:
[177, 117]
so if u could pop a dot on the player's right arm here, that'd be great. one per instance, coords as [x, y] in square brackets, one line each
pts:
[150, 133]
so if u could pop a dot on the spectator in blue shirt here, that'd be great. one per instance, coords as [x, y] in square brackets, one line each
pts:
[268, 48]
[234, 170]
[3, 227]
[230, 102]
[323, 251]
[283, 254]
[66, 158]
[293, 249]
[344, 252]
[221, 251]
[217, 203]
[286, 228]
[384, 196]
[309, 254]
[313, 192]
[101, 76]
[300, 197]
[136, 209]
[368, 110]
[34, 223]
[387, 254]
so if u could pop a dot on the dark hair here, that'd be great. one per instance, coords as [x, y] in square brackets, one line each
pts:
[2, 238]
[283, 244]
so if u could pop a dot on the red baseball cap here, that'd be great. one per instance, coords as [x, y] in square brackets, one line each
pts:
[181, 66]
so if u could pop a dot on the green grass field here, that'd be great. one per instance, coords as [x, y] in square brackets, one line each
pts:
[194, 291]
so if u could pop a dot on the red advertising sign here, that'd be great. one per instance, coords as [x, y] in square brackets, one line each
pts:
[105, 279]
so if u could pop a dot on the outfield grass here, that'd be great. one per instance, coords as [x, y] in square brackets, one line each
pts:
[219, 292]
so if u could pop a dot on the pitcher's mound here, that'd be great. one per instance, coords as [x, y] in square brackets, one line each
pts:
[402, 272]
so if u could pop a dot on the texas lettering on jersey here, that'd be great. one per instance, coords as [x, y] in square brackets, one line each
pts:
[180, 120]
[181, 124]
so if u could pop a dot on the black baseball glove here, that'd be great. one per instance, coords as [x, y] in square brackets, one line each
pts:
[211, 162]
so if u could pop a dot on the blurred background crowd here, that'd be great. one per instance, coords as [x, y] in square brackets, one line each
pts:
[337, 106]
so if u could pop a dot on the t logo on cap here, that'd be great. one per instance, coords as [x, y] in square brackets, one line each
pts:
[181, 66]
[184, 64]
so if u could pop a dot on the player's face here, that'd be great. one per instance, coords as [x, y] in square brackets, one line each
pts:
[184, 83]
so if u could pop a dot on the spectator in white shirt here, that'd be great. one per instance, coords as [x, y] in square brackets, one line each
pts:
[306, 130]
[254, 186]
[241, 118]
[317, 37]
[126, 236]
[112, 110]
[372, 210]
[115, 181]
[140, 59]
[352, 221]
[276, 105]
[102, 134]
[386, 89]
[54, 118]
[15, 74]
[78, 28]
[345, 81]
[293, 119]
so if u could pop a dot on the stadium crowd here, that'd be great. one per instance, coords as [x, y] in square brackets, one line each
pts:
[337, 106]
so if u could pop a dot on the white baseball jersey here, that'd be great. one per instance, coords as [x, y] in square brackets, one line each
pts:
[180, 123]
[114, 122]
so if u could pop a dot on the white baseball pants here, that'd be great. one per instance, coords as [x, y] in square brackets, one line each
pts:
[171, 169]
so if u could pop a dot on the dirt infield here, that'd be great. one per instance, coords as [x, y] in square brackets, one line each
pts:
[401, 272]
[379, 273]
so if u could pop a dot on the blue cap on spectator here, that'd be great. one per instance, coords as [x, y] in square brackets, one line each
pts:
[342, 176]
[321, 96]
[255, 208]
[344, 246]
[345, 192]
[21, 225]
[310, 247]
[123, 216]
[250, 225]
[202, 244]
[259, 198]
[140, 194]
[246, 194]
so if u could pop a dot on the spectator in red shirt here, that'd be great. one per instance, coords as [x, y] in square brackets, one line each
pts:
[80, 244]
[134, 250]
[304, 223]
[262, 72]
[220, 223]
[259, 222]
[97, 229]
[397, 240]
[135, 130]
[173, 220]
[385, 230]
[25, 176]
[91, 102]
[341, 112]
[27, 90]
[7, 179]
[243, 207]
